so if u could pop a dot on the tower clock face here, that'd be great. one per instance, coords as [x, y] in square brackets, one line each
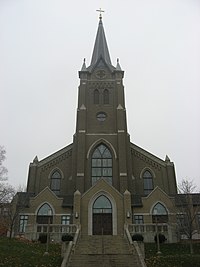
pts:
[100, 74]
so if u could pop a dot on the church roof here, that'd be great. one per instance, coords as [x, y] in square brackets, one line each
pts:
[182, 199]
[100, 47]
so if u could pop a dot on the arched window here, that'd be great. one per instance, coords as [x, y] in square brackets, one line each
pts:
[55, 182]
[96, 97]
[106, 96]
[148, 182]
[45, 214]
[102, 205]
[159, 214]
[101, 164]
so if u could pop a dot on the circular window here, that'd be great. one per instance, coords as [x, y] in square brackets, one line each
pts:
[101, 116]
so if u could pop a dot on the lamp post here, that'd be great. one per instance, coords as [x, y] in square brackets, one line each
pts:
[157, 234]
[46, 253]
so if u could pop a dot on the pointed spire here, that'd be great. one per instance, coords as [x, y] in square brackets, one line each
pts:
[118, 67]
[35, 161]
[84, 66]
[100, 46]
[167, 159]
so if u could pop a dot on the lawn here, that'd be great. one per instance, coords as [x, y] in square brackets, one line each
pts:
[173, 255]
[20, 253]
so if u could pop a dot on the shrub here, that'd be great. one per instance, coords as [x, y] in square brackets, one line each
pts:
[137, 237]
[161, 237]
[67, 237]
[42, 238]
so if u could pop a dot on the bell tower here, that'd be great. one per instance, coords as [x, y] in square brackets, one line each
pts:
[101, 120]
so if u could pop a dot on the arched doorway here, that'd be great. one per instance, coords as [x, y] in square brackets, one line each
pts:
[102, 216]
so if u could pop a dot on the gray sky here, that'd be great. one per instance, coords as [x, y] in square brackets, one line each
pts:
[42, 46]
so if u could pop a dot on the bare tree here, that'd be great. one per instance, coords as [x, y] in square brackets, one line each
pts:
[188, 205]
[7, 193]
[3, 170]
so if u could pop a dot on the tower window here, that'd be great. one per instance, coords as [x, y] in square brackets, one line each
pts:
[148, 182]
[55, 182]
[101, 164]
[96, 97]
[106, 96]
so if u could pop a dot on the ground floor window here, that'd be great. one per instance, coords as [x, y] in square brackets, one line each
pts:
[22, 223]
[66, 219]
[138, 219]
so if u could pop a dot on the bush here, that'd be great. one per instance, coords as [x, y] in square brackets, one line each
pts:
[161, 237]
[137, 237]
[42, 238]
[67, 237]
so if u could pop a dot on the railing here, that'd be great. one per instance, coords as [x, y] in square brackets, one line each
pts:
[70, 248]
[139, 249]
[56, 231]
[148, 231]
[142, 228]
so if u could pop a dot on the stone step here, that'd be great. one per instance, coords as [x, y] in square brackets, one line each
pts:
[104, 261]
[103, 251]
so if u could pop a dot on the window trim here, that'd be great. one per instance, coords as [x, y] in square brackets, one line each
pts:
[148, 184]
[102, 165]
[55, 180]
[96, 97]
[106, 97]
[23, 221]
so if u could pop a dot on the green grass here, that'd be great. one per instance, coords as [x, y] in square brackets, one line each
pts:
[15, 253]
[173, 255]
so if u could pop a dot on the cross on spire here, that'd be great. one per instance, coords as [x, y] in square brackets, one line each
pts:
[100, 11]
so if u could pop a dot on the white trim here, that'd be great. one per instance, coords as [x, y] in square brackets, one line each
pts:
[80, 174]
[114, 211]
[123, 174]
[82, 131]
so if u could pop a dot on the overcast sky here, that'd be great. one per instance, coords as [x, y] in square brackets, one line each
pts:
[42, 46]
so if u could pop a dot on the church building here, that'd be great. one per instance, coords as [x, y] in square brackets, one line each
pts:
[102, 183]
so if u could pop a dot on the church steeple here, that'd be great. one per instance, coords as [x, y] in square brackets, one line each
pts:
[100, 46]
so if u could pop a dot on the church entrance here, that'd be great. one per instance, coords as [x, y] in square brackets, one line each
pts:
[102, 216]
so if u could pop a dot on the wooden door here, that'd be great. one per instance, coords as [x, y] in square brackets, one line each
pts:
[102, 223]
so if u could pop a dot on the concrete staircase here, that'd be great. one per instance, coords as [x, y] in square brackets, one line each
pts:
[103, 251]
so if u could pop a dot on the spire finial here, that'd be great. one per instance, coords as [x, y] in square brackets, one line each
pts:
[100, 11]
